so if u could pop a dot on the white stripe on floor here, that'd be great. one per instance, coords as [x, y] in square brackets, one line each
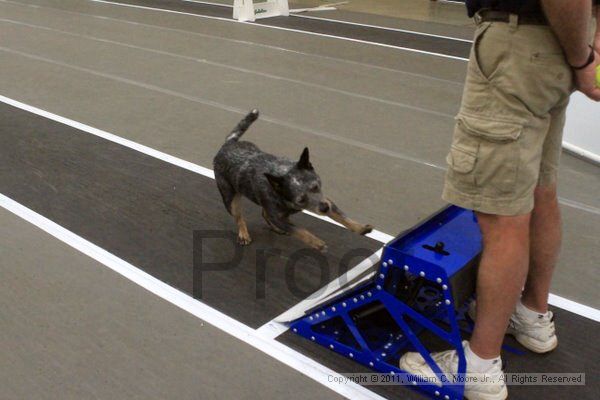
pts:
[273, 348]
[286, 29]
[339, 21]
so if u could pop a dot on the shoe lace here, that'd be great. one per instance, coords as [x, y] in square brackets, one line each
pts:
[447, 361]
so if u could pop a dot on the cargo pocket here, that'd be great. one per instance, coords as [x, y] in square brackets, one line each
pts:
[461, 161]
[498, 154]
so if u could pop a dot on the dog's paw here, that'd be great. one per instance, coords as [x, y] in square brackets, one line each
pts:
[244, 240]
[366, 229]
[321, 246]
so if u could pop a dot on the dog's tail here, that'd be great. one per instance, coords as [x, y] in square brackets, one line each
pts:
[243, 126]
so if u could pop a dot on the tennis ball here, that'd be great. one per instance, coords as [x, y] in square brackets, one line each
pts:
[598, 76]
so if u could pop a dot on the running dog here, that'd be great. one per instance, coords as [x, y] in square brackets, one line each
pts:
[280, 186]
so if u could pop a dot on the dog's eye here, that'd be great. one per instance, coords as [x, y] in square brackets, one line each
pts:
[314, 188]
[302, 199]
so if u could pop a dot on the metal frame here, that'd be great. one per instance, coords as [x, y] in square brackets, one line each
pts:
[411, 267]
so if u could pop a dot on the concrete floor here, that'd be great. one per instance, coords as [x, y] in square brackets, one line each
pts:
[177, 83]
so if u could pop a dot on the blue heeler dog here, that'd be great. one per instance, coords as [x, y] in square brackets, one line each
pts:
[280, 186]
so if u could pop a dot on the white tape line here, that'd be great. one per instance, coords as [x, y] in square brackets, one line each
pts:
[221, 106]
[237, 69]
[376, 235]
[303, 10]
[408, 49]
[113, 138]
[386, 28]
[246, 43]
[581, 152]
[339, 21]
[574, 307]
[277, 350]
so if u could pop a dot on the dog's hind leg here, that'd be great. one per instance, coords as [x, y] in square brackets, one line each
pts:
[338, 215]
[227, 191]
[232, 202]
[236, 210]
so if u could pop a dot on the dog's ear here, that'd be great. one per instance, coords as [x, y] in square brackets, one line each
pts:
[275, 181]
[304, 162]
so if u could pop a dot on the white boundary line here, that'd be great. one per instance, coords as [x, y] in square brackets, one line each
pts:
[376, 235]
[389, 46]
[558, 301]
[265, 118]
[581, 152]
[244, 42]
[277, 350]
[237, 69]
[387, 28]
[382, 28]
[574, 307]
[209, 3]
[113, 138]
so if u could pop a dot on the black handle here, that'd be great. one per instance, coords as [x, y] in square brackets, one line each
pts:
[438, 248]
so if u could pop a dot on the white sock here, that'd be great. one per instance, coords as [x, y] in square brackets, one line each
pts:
[528, 313]
[478, 364]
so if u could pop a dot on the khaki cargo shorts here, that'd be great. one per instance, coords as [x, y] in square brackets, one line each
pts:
[508, 133]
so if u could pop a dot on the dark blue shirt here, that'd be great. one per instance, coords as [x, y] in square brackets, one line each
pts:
[513, 6]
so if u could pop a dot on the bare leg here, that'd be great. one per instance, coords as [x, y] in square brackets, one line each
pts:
[236, 211]
[501, 276]
[545, 239]
[338, 215]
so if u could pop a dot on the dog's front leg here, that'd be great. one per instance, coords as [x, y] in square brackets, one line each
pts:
[272, 225]
[282, 225]
[338, 215]
[307, 237]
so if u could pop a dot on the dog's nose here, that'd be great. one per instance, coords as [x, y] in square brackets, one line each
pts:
[323, 207]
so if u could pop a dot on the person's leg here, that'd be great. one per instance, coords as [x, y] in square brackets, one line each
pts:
[502, 273]
[545, 238]
[545, 219]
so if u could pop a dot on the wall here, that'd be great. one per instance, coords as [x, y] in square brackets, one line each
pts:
[582, 132]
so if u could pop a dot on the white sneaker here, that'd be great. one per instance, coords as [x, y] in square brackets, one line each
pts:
[537, 335]
[494, 387]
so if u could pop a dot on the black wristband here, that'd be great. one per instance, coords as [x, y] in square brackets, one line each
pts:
[590, 60]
